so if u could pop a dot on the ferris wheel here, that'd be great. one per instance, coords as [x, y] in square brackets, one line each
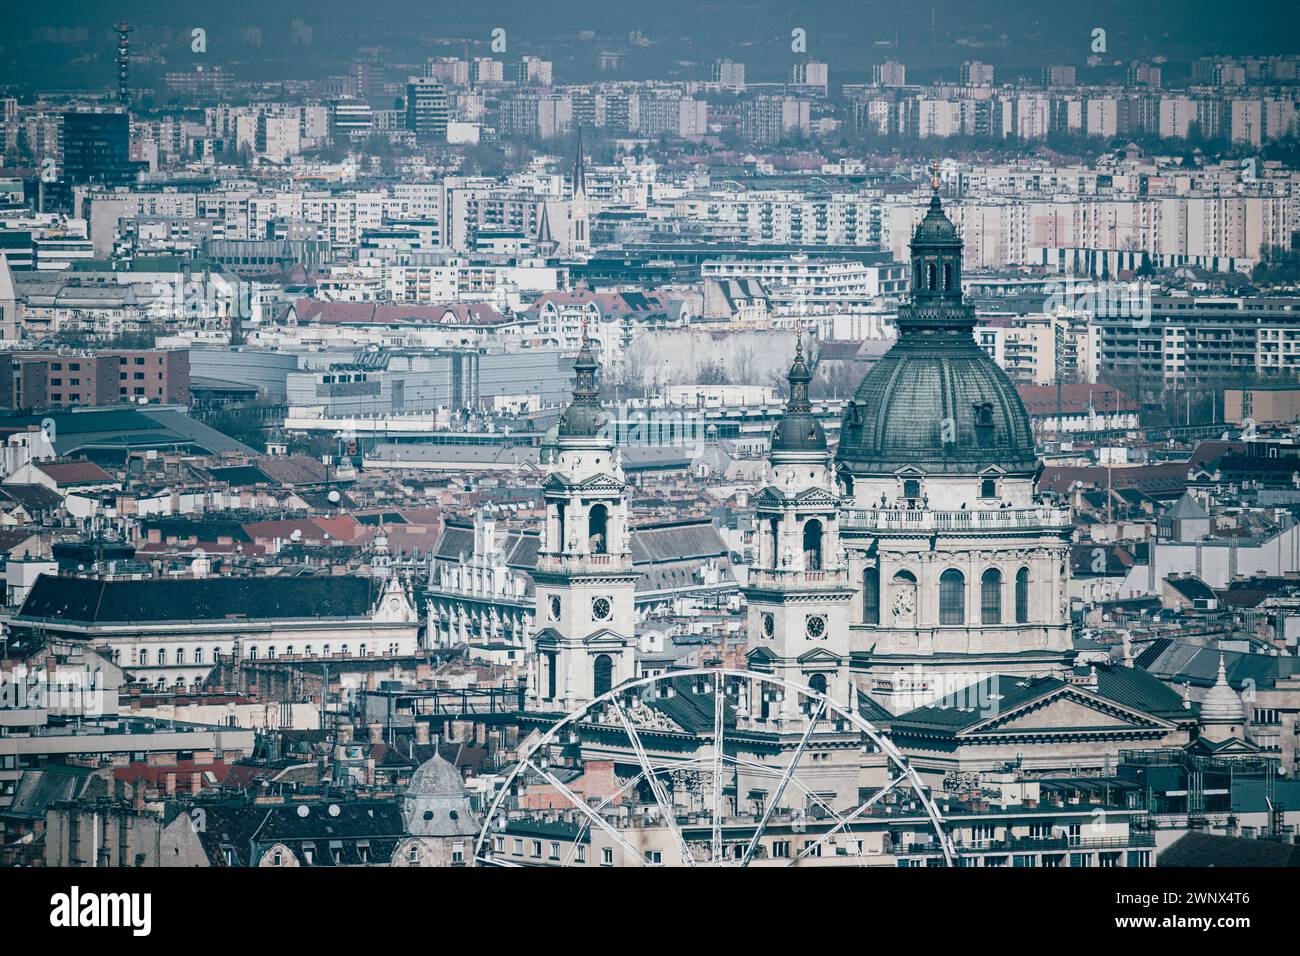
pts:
[718, 790]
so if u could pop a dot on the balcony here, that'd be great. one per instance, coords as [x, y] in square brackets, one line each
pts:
[979, 520]
[780, 577]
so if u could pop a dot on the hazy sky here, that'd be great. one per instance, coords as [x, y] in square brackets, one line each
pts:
[847, 33]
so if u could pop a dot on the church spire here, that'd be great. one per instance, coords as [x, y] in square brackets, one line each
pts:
[579, 169]
[799, 430]
[584, 416]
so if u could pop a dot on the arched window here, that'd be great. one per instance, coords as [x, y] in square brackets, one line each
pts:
[931, 272]
[597, 521]
[952, 597]
[947, 275]
[871, 596]
[549, 658]
[812, 545]
[991, 597]
[774, 528]
[818, 683]
[1022, 596]
[916, 276]
[162, 655]
[604, 675]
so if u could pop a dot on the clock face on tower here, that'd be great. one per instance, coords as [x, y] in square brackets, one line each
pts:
[600, 608]
[816, 626]
[769, 625]
[555, 607]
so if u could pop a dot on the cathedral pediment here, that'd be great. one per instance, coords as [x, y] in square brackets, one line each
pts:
[819, 655]
[1065, 709]
[817, 497]
[773, 497]
[549, 638]
[605, 637]
[559, 483]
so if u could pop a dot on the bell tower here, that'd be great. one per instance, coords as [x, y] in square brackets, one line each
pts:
[799, 593]
[579, 213]
[584, 583]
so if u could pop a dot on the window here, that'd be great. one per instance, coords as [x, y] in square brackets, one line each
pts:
[988, 488]
[458, 852]
[582, 854]
[555, 851]
[1022, 596]
[991, 597]
[871, 596]
[606, 856]
[818, 683]
[911, 488]
[812, 545]
[537, 849]
[781, 849]
[597, 521]
[952, 597]
[603, 671]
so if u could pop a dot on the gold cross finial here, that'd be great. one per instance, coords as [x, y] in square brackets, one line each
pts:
[934, 181]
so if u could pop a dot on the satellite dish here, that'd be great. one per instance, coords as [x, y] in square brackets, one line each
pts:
[304, 810]
[296, 535]
[334, 497]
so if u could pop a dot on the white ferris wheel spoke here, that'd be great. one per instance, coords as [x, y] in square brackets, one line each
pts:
[581, 805]
[785, 779]
[719, 698]
[661, 798]
[872, 801]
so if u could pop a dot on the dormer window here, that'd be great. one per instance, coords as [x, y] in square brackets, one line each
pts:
[983, 423]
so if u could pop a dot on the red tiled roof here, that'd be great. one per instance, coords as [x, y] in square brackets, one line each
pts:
[1041, 399]
[80, 472]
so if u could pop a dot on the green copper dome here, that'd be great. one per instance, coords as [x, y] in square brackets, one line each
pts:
[936, 401]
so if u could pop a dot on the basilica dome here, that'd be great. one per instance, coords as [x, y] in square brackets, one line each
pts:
[936, 401]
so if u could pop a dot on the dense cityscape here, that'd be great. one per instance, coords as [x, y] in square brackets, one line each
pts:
[511, 444]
